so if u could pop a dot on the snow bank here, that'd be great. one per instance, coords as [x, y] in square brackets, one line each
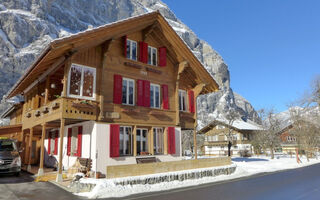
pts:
[245, 167]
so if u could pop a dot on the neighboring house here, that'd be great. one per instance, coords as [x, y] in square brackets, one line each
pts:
[114, 93]
[217, 137]
[288, 141]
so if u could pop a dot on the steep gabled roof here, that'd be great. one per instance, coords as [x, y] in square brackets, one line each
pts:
[61, 48]
[238, 125]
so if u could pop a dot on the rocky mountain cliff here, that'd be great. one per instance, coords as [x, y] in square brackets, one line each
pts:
[27, 26]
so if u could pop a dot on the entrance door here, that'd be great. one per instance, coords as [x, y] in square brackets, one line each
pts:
[142, 141]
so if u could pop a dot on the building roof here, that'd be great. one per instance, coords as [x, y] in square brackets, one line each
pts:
[238, 125]
[64, 47]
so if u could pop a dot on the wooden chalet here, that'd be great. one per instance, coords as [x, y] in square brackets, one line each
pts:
[217, 137]
[115, 93]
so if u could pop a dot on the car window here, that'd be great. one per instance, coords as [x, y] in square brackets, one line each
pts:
[7, 145]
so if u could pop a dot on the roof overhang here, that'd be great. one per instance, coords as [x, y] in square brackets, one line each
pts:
[10, 129]
[68, 45]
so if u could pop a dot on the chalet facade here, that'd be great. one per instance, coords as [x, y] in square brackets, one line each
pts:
[217, 137]
[113, 94]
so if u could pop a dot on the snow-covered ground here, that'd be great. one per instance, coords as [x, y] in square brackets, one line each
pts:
[245, 167]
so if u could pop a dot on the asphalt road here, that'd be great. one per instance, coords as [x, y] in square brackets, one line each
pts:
[22, 188]
[297, 184]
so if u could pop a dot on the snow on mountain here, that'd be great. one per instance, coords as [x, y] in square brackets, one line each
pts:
[27, 26]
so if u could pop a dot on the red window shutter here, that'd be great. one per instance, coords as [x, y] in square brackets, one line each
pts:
[143, 52]
[49, 143]
[114, 140]
[125, 46]
[162, 56]
[56, 143]
[69, 141]
[146, 93]
[79, 149]
[191, 101]
[140, 92]
[165, 97]
[171, 141]
[117, 89]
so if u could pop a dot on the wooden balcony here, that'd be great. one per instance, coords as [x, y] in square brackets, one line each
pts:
[63, 107]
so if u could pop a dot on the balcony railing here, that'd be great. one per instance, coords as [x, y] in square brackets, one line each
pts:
[62, 107]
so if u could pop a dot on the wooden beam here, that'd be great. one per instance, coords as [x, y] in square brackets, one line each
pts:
[134, 140]
[151, 144]
[165, 141]
[198, 89]
[147, 31]
[43, 135]
[30, 149]
[46, 93]
[105, 50]
[54, 67]
[65, 77]
[181, 68]
[59, 174]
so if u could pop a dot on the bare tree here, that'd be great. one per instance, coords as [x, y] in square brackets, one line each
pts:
[306, 129]
[268, 138]
[231, 116]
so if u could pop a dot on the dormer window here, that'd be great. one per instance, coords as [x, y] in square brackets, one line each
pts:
[152, 56]
[131, 49]
[82, 81]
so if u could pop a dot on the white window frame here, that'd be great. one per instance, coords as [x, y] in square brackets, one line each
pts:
[141, 142]
[154, 96]
[127, 93]
[51, 137]
[151, 56]
[130, 46]
[124, 143]
[74, 141]
[81, 83]
[184, 94]
[157, 145]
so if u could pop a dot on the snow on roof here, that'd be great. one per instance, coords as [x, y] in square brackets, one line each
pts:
[242, 125]
[237, 124]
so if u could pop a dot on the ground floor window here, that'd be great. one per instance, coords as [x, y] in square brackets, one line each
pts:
[125, 142]
[142, 141]
[158, 140]
[53, 142]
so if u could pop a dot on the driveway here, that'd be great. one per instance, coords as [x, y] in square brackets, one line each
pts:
[23, 188]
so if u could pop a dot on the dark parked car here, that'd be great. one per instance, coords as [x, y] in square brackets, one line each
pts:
[10, 161]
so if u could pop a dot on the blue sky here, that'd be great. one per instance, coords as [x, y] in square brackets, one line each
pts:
[272, 47]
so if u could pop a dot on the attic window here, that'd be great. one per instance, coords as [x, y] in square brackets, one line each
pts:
[152, 56]
[82, 82]
[131, 49]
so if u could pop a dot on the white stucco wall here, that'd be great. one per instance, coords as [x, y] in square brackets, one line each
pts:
[96, 145]
[87, 144]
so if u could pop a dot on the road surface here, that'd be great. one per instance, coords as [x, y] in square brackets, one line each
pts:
[22, 188]
[297, 184]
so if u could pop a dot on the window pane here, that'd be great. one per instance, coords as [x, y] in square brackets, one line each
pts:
[180, 100]
[134, 51]
[74, 141]
[121, 141]
[149, 55]
[157, 97]
[75, 80]
[154, 56]
[183, 102]
[124, 91]
[131, 91]
[152, 96]
[128, 48]
[88, 78]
